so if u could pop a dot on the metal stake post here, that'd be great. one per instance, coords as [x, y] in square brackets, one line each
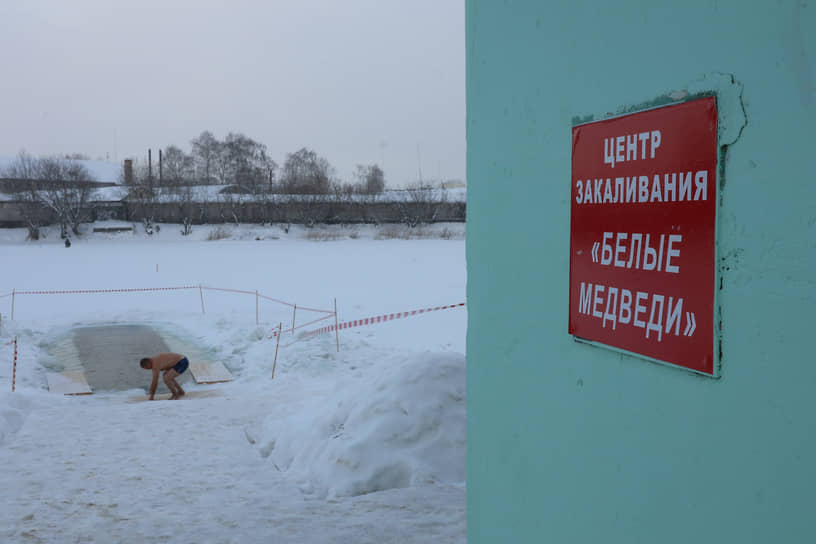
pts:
[275, 362]
[336, 329]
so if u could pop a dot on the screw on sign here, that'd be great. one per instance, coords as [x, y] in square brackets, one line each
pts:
[642, 233]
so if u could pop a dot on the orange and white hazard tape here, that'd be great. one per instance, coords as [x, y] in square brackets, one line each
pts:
[149, 289]
[290, 330]
[259, 295]
[378, 319]
[94, 291]
[14, 369]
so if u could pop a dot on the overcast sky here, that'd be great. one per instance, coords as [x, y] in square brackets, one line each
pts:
[358, 81]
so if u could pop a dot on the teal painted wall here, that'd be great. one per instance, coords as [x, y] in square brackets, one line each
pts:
[573, 443]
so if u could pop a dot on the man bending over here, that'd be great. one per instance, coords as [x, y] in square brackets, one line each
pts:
[173, 364]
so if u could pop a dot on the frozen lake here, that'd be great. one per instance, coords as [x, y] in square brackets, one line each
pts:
[364, 445]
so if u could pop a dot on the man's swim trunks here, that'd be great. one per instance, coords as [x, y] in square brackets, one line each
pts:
[182, 365]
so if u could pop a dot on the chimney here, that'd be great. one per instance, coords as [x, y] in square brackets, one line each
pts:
[128, 172]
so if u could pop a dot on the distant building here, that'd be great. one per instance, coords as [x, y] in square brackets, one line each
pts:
[453, 184]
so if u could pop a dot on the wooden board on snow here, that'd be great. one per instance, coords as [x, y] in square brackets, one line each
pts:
[68, 383]
[204, 393]
[210, 372]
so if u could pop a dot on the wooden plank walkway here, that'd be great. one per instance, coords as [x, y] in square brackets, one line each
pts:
[68, 383]
[210, 372]
[204, 393]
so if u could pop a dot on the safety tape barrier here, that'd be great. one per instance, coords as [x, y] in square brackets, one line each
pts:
[14, 368]
[305, 309]
[301, 326]
[288, 304]
[228, 290]
[301, 337]
[377, 319]
[149, 289]
[94, 291]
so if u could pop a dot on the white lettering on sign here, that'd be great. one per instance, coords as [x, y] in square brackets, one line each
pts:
[625, 305]
[625, 148]
[668, 187]
[655, 313]
[586, 295]
[636, 245]
[643, 227]
[610, 305]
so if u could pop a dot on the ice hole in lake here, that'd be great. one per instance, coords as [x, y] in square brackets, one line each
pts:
[109, 355]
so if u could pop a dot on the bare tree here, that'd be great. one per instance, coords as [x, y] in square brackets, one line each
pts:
[206, 149]
[142, 196]
[177, 167]
[65, 188]
[60, 186]
[34, 214]
[421, 205]
[245, 163]
[221, 170]
[370, 179]
[23, 174]
[76, 193]
[24, 167]
[183, 197]
[231, 208]
[305, 172]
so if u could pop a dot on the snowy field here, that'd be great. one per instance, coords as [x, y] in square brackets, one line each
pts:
[362, 445]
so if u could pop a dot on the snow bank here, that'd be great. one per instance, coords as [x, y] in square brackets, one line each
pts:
[400, 424]
[13, 411]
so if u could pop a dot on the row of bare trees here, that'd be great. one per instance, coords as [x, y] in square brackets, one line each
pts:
[52, 188]
[55, 189]
[244, 163]
[420, 204]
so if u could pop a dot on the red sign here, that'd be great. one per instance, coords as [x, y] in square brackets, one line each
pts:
[642, 262]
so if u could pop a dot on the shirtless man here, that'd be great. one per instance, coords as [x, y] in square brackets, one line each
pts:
[173, 364]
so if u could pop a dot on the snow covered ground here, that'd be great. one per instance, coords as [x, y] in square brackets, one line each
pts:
[362, 445]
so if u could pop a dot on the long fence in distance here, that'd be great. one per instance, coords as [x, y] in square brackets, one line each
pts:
[294, 209]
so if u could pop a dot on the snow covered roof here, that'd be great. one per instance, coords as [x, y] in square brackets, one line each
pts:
[110, 194]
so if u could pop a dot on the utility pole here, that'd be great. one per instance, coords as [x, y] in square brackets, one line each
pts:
[419, 164]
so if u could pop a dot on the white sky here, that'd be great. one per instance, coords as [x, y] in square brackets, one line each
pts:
[358, 81]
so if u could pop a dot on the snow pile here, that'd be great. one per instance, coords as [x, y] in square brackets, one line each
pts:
[13, 410]
[398, 425]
